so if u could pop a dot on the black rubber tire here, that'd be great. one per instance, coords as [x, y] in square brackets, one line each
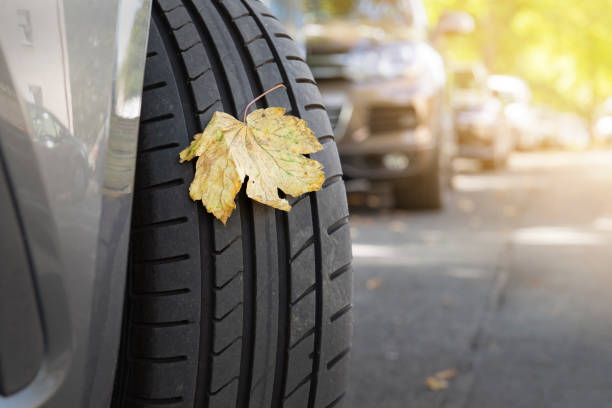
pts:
[423, 191]
[256, 313]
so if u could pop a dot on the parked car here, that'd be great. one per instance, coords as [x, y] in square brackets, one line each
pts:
[121, 291]
[480, 123]
[382, 85]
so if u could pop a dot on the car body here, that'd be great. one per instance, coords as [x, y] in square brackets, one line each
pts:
[480, 123]
[118, 288]
[68, 142]
[382, 84]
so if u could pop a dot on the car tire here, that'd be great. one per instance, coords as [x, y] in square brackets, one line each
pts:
[423, 191]
[256, 313]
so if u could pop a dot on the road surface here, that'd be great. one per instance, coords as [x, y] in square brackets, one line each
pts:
[510, 285]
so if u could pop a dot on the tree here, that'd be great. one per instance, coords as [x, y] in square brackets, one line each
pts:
[561, 48]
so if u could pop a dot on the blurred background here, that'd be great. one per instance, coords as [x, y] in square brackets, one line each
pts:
[474, 137]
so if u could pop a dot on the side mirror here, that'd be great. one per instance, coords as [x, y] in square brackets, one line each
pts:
[454, 22]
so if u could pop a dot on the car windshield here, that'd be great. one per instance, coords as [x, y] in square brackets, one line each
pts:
[407, 13]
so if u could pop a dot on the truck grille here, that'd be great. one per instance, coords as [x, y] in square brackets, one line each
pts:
[392, 118]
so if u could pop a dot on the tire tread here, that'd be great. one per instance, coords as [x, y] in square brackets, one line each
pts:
[211, 320]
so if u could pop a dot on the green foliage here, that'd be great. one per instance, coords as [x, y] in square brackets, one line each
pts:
[560, 47]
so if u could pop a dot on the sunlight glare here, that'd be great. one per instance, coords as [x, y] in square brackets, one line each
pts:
[555, 236]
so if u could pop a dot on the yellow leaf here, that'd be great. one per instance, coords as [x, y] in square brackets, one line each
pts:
[439, 381]
[268, 148]
[436, 384]
[372, 284]
[446, 374]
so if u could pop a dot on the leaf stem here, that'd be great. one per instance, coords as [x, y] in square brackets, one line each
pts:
[259, 97]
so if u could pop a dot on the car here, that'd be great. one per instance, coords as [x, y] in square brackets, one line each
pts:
[118, 290]
[382, 84]
[480, 123]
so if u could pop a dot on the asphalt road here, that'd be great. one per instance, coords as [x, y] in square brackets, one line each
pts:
[510, 285]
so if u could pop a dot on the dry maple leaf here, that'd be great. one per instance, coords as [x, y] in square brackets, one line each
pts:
[439, 381]
[436, 384]
[447, 374]
[267, 147]
[372, 284]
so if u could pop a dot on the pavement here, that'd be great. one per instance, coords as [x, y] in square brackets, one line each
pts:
[510, 286]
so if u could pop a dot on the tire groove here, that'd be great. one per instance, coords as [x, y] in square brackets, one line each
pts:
[284, 311]
[188, 103]
[160, 261]
[335, 274]
[336, 401]
[313, 106]
[342, 311]
[335, 360]
[159, 147]
[295, 58]
[162, 324]
[159, 360]
[316, 358]
[218, 390]
[162, 185]
[304, 294]
[229, 312]
[226, 247]
[154, 85]
[283, 35]
[161, 293]
[295, 108]
[304, 246]
[157, 118]
[332, 180]
[230, 280]
[159, 224]
[305, 81]
[272, 16]
[337, 225]
[304, 337]
[326, 139]
[227, 346]
[249, 305]
[299, 385]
